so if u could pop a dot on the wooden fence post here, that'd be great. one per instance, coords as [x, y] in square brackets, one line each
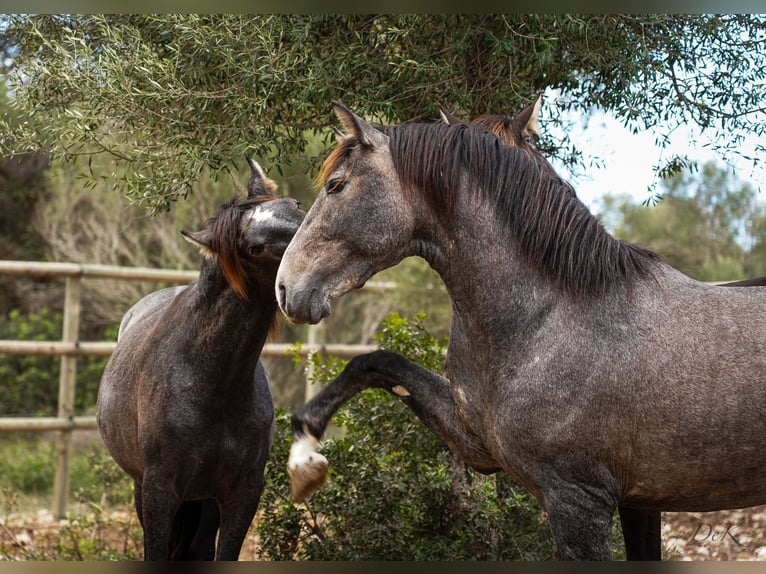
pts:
[70, 334]
[315, 337]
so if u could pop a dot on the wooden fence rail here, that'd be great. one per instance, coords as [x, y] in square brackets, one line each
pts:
[70, 347]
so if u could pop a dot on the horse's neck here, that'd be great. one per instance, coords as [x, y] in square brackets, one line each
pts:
[494, 294]
[229, 331]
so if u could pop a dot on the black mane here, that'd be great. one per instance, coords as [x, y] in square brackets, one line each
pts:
[555, 231]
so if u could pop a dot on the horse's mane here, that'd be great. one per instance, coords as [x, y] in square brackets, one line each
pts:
[554, 230]
[226, 227]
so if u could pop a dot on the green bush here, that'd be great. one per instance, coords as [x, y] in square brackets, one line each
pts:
[394, 492]
[29, 384]
[96, 478]
[28, 466]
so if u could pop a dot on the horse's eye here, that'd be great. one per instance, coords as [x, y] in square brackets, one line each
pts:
[335, 185]
[254, 250]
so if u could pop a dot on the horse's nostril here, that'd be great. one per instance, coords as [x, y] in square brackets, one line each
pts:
[281, 300]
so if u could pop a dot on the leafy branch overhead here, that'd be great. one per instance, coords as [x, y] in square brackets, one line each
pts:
[169, 95]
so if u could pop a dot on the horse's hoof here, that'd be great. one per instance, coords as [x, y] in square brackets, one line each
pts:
[307, 477]
[306, 467]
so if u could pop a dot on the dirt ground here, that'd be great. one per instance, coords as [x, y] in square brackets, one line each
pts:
[719, 536]
[724, 535]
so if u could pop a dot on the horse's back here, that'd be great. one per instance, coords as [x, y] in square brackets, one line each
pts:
[669, 387]
[149, 307]
[692, 377]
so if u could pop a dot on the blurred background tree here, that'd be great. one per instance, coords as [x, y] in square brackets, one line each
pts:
[709, 224]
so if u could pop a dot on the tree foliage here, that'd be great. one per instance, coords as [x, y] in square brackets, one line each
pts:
[169, 95]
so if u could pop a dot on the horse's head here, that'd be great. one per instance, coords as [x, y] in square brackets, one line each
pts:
[361, 222]
[518, 131]
[249, 236]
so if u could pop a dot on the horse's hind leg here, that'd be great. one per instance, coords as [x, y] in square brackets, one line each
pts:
[158, 507]
[642, 532]
[138, 502]
[580, 518]
[427, 394]
[202, 546]
[185, 524]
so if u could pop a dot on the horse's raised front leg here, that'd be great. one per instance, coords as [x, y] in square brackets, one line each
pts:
[425, 392]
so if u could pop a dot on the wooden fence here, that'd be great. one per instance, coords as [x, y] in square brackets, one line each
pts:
[70, 347]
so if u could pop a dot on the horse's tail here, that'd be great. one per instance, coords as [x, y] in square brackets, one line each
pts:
[754, 282]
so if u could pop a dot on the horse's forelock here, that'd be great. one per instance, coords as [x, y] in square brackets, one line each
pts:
[226, 228]
[333, 160]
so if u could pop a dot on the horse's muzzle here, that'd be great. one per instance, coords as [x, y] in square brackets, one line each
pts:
[302, 304]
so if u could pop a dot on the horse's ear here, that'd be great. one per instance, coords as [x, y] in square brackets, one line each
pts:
[447, 117]
[202, 239]
[363, 132]
[339, 135]
[259, 184]
[526, 120]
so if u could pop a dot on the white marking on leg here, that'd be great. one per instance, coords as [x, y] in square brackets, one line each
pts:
[306, 467]
[304, 451]
[400, 390]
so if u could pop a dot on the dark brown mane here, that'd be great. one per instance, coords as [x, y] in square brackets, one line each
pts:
[554, 230]
[501, 126]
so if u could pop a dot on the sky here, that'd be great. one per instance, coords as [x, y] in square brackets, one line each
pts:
[629, 159]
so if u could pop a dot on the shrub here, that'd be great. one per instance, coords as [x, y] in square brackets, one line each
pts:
[394, 492]
[27, 466]
[96, 478]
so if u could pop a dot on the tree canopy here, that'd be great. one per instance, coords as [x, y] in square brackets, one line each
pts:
[169, 95]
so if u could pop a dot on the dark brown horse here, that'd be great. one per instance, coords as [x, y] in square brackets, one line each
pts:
[589, 370]
[185, 405]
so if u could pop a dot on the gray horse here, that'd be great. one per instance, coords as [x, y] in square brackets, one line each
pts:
[185, 405]
[586, 368]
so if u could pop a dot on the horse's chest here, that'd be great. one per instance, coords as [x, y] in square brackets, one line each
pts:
[205, 434]
[470, 400]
